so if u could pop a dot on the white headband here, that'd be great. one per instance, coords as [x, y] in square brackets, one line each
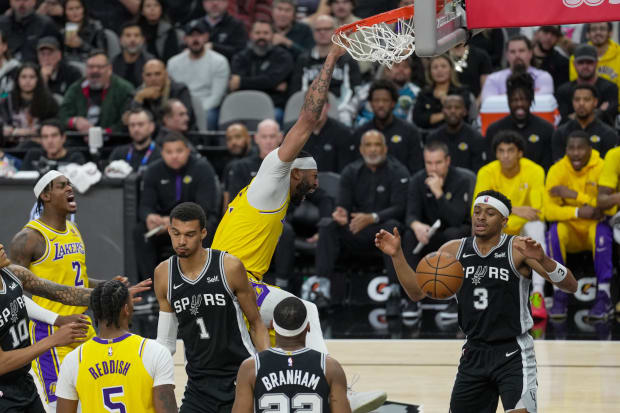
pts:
[307, 162]
[44, 182]
[290, 333]
[494, 202]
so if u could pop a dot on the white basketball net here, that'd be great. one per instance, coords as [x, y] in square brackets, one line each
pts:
[381, 42]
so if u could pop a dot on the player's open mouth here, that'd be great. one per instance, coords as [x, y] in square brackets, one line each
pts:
[71, 200]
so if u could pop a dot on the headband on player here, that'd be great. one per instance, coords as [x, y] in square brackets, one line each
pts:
[44, 182]
[290, 333]
[494, 202]
[307, 162]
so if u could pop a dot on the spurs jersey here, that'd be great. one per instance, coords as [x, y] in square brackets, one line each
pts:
[13, 322]
[211, 322]
[64, 262]
[494, 298]
[293, 380]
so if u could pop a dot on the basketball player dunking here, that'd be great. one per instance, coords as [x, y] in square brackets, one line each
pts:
[291, 375]
[203, 295]
[493, 308]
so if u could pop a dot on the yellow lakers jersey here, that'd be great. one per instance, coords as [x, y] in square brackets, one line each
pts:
[249, 233]
[64, 262]
[111, 375]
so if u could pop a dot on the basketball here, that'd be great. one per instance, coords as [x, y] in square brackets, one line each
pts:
[439, 275]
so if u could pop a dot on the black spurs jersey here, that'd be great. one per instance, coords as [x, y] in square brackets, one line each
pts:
[494, 298]
[211, 322]
[291, 381]
[13, 321]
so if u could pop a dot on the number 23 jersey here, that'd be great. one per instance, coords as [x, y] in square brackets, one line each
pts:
[493, 301]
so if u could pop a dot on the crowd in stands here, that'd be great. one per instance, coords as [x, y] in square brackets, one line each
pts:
[407, 141]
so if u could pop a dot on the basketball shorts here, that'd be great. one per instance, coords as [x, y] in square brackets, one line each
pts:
[488, 371]
[20, 396]
[210, 394]
[47, 366]
[267, 297]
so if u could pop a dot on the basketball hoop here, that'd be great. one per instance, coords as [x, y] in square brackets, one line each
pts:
[386, 38]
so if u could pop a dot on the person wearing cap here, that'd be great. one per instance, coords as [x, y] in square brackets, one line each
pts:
[23, 27]
[602, 137]
[577, 221]
[228, 35]
[129, 63]
[99, 99]
[545, 57]
[53, 154]
[493, 308]
[326, 388]
[57, 74]
[584, 61]
[607, 52]
[204, 71]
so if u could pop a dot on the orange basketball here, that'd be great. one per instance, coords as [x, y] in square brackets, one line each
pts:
[439, 275]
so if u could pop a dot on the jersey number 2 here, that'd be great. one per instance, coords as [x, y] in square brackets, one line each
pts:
[481, 300]
[77, 267]
[111, 406]
[300, 403]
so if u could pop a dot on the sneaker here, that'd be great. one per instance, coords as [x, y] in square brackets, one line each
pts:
[411, 309]
[559, 309]
[537, 303]
[602, 306]
[364, 401]
[451, 313]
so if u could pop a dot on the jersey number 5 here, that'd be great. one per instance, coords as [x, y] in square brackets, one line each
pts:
[111, 406]
[300, 403]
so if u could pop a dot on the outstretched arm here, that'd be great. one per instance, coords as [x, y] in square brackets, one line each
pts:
[316, 97]
[51, 290]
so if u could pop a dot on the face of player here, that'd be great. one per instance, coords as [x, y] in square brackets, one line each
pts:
[60, 197]
[342, 9]
[518, 54]
[132, 40]
[215, 8]
[382, 104]
[508, 155]
[400, 73]
[584, 103]
[578, 152]
[175, 154]
[454, 110]
[598, 34]
[151, 10]
[283, 15]
[440, 70]
[308, 184]
[74, 11]
[22, 8]
[373, 149]
[52, 141]
[4, 259]
[487, 221]
[140, 127]
[519, 105]
[436, 163]
[586, 69]
[237, 140]
[178, 121]
[186, 237]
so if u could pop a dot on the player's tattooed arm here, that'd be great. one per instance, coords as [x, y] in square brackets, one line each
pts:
[28, 245]
[164, 400]
[50, 290]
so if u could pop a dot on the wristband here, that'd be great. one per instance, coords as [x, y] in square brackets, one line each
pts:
[558, 274]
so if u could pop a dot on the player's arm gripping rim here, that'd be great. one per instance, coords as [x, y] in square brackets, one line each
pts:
[238, 280]
[316, 97]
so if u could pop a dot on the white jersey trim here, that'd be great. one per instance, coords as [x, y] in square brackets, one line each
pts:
[202, 272]
[530, 385]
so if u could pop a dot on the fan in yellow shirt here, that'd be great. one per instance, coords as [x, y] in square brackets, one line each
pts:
[523, 182]
[579, 224]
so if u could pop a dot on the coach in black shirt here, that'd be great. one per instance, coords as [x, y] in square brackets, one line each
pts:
[177, 177]
[403, 138]
[372, 196]
[585, 62]
[536, 131]
[602, 137]
[467, 147]
[438, 192]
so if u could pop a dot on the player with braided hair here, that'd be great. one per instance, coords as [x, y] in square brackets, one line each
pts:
[116, 370]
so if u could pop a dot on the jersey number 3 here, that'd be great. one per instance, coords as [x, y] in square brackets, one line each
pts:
[481, 300]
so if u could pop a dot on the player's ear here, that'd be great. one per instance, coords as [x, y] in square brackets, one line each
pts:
[203, 233]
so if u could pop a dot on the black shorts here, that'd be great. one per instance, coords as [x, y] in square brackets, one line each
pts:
[20, 396]
[490, 371]
[211, 394]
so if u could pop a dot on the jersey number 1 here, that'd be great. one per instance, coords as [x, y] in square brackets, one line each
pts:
[204, 334]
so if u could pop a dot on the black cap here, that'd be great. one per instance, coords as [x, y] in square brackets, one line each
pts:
[585, 52]
[49, 42]
[551, 29]
[196, 26]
